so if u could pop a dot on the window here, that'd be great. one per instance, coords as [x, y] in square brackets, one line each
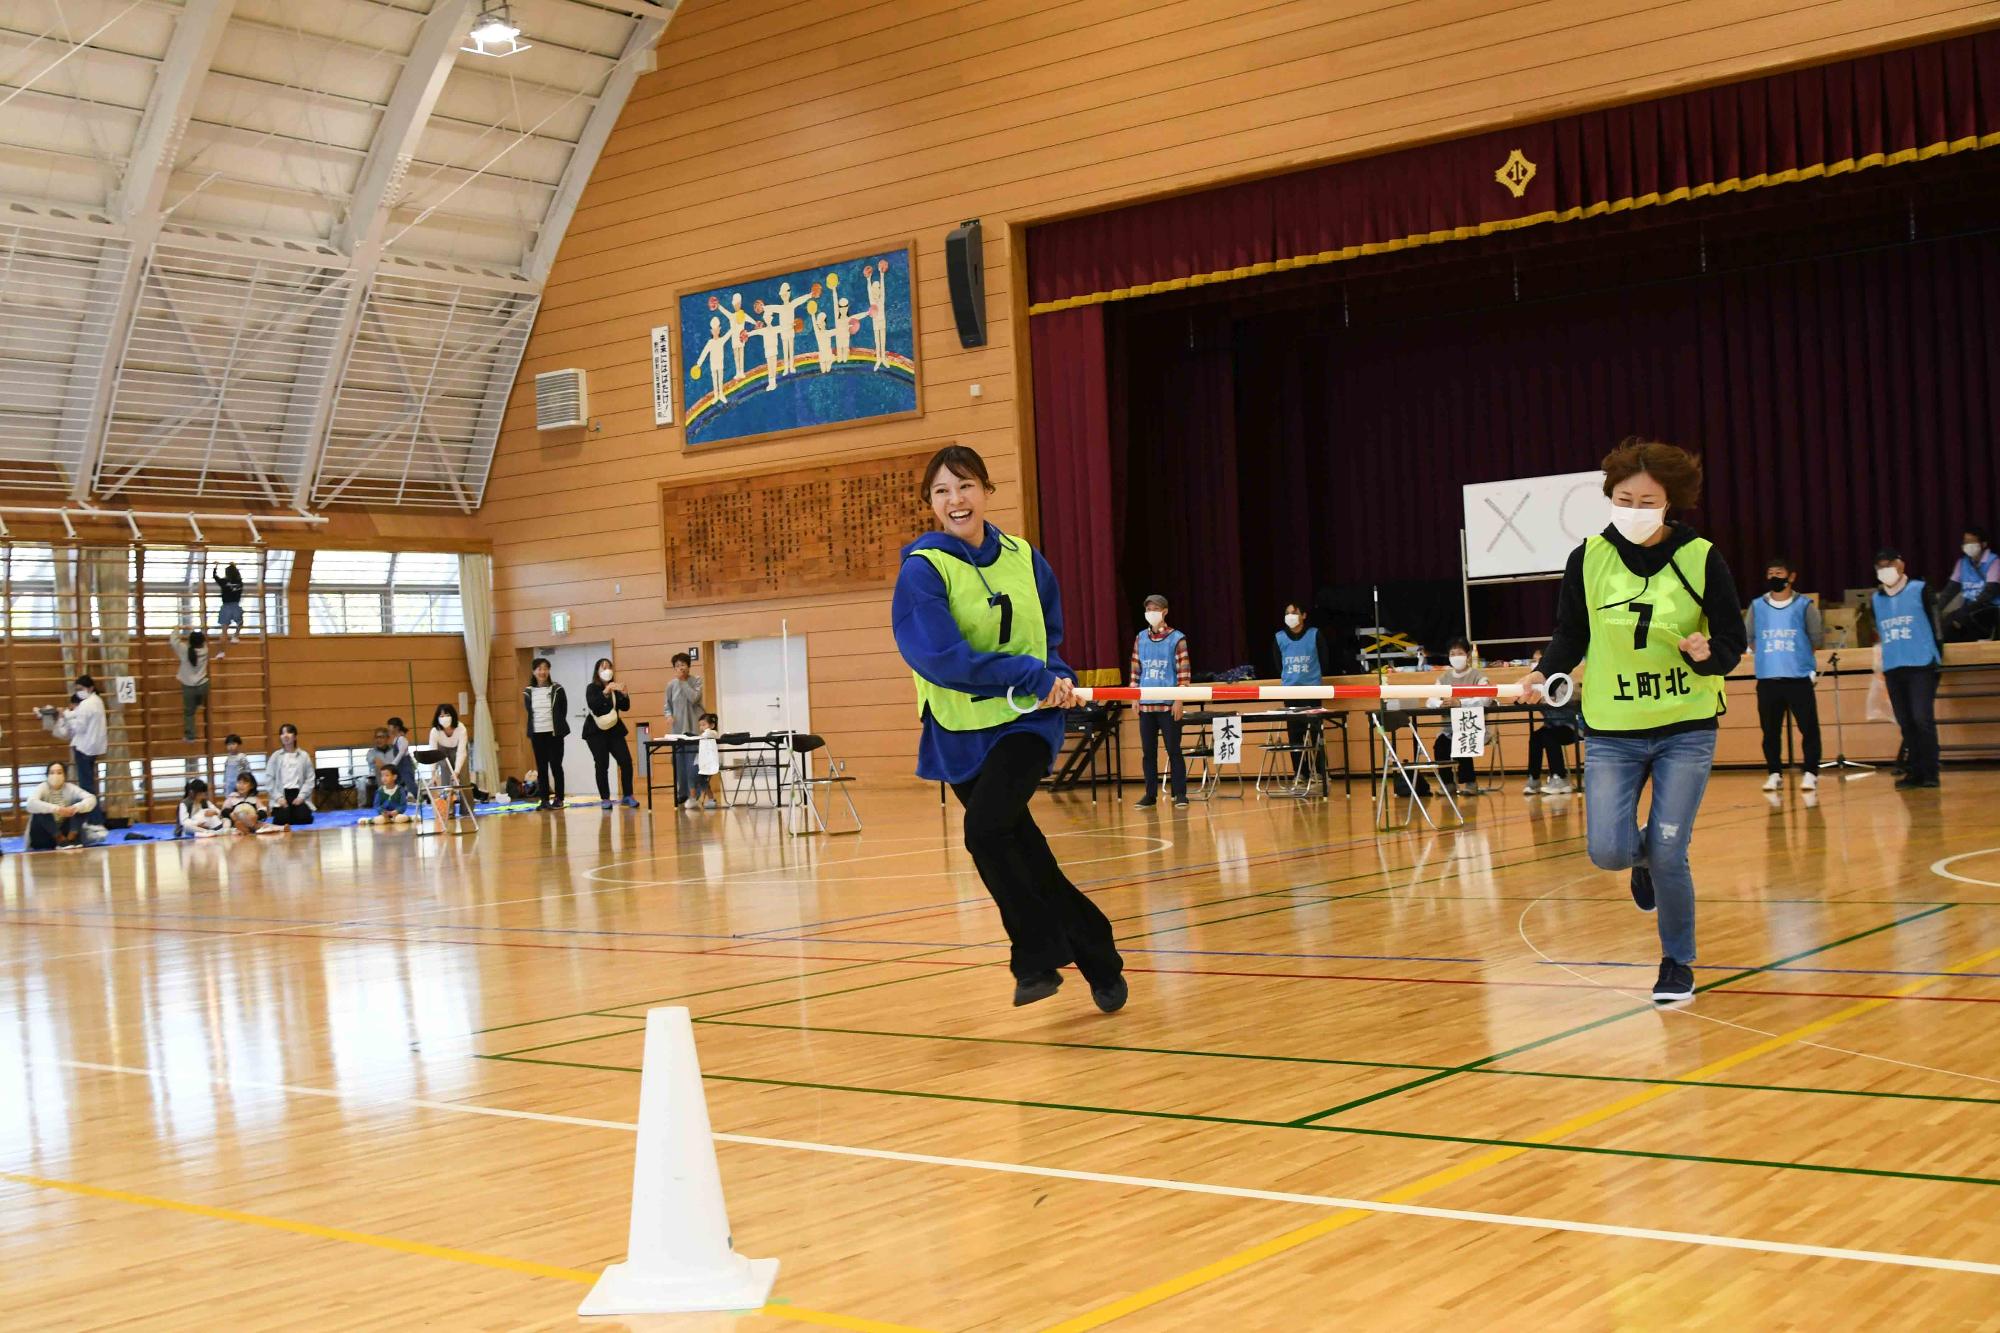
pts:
[29, 574]
[385, 592]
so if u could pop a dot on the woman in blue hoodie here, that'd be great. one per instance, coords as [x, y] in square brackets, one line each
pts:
[978, 618]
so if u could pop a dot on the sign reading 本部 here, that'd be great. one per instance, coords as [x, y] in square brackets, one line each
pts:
[784, 532]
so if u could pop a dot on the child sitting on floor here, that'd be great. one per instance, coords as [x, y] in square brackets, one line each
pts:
[241, 806]
[199, 816]
[392, 802]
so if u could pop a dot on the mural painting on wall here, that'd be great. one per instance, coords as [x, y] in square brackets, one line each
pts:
[829, 344]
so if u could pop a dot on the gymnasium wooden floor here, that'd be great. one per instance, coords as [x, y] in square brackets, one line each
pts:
[356, 1081]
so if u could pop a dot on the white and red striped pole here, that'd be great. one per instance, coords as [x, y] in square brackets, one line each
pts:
[1557, 690]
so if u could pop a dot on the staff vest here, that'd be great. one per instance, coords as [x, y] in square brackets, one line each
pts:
[1634, 676]
[1784, 649]
[1159, 659]
[1904, 627]
[1298, 659]
[998, 609]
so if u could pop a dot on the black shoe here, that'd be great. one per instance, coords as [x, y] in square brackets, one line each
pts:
[1144, 803]
[1181, 802]
[1929, 782]
[1642, 888]
[1027, 990]
[1111, 998]
[1676, 982]
[1906, 782]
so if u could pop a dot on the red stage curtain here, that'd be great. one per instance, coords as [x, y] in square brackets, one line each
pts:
[1895, 106]
[1076, 483]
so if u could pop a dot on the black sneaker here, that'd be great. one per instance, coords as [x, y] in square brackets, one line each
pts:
[1148, 802]
[1906, 782]
[1642, 888]
[1027, 990]
[1929, 783]
[1676, 982]
[1111, 998]
[1181, 802]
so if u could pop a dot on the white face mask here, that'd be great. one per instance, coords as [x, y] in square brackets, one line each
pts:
[1636, 525]
[606, 674]
[1972, 550]
[1458, 661]
[1888, 576]
[1156, 618]
[1293, 622]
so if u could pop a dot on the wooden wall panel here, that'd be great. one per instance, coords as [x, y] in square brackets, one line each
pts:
[337, 688]
[788, 130]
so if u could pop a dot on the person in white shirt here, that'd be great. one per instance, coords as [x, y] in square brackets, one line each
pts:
[198, 814]
[57, 810]
[707, 761]
[83, 725]
[546, 708]
[191, 661]
[289, 779]
[449, 739]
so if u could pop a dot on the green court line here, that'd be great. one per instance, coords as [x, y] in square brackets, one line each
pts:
[1352, 1130]
[1610, 1018]
[1355, 1064]
[572, 1041]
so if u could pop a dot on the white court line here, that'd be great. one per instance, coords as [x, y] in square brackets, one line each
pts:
[1691, 1238]
[1942, 867]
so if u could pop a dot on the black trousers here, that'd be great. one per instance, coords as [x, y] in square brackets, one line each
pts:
[46, 832]
[548, 764]
[1548, 743]
[603, 749]
[1913, 696]
[1794, 695]
[1152, 726]
[1049, 921]
[293, 811]
[1468, 771]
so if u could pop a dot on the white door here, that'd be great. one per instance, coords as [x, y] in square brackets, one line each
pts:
[757, 690]
[570, 666]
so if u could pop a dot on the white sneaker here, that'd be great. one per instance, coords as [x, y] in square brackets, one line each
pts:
[1529, 788]
[1810, 782]
[1557, 787]
[1775, 781]
[710, 804]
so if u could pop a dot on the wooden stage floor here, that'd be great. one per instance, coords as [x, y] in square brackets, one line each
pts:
[355, 1080]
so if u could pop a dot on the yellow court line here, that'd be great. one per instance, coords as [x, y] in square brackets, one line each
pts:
[1450, 1175]
[395, 1243]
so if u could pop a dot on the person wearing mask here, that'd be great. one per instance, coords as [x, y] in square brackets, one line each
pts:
[1299, 663]
[1650, 610]
[86, 728]
[288, 776]
[1461, 671]
[545, 705]
[229, 585]
[1973, 608]
[1906, 624]
[57, 811]
[684, 712]
[978, 617]
[1160, 657]
[1548, 740]
[451, 741]
[198, 816]
[604, 731]
[1785, 632]
[191, 661]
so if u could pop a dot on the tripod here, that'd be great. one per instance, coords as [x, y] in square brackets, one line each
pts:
[1840, 759]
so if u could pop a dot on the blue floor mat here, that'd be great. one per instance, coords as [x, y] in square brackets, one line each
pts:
[323, 819]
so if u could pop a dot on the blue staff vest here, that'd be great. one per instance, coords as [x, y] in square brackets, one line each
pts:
[1158, 658]
[1784, 650]
[1905, 628]
[1298, 659]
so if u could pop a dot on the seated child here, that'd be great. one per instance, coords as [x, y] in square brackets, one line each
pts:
[392, 802]
[241, 806]
[198, 815]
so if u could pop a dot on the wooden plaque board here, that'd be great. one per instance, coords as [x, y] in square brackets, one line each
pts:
[787, 531]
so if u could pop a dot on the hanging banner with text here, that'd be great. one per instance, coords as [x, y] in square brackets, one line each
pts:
[1228, 740]
[663, 375]
[1468, 732]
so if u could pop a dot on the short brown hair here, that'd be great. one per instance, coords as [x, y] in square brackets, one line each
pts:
[1672, 466]
[964, 463]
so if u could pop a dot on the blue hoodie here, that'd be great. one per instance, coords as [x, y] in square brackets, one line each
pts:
[930, 641]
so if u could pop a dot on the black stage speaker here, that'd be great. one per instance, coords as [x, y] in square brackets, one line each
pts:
[967, 275]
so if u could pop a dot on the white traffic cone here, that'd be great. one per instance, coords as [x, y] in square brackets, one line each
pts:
[678, 1257]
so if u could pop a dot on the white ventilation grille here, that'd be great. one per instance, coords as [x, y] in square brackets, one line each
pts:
[422, 394]
[207, 403]
[58, 298]
[562, 400]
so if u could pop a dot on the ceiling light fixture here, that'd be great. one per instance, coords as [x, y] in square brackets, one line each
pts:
[495, 33]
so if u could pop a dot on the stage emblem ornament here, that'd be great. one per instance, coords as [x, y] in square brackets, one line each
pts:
[1515, 173]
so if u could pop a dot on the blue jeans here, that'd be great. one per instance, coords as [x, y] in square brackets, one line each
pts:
[1615, 770]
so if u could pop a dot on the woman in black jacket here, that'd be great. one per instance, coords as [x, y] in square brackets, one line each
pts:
[604, 731]
[546, 709]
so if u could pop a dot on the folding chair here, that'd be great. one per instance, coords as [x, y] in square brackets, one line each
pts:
[454, 791]
[806, 815]
[1422, 768]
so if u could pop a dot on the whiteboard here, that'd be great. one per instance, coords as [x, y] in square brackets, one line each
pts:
[1531, 524]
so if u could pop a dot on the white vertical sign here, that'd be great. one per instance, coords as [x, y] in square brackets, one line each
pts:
[1468, 732]
[663, 376]
[125, 689]
[1227, 741]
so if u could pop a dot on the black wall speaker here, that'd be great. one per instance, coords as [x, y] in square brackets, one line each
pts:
[967, 275]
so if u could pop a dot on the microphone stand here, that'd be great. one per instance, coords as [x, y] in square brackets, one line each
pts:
[1840, 759]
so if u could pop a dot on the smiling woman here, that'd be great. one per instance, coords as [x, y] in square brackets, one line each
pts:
[978, 618]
